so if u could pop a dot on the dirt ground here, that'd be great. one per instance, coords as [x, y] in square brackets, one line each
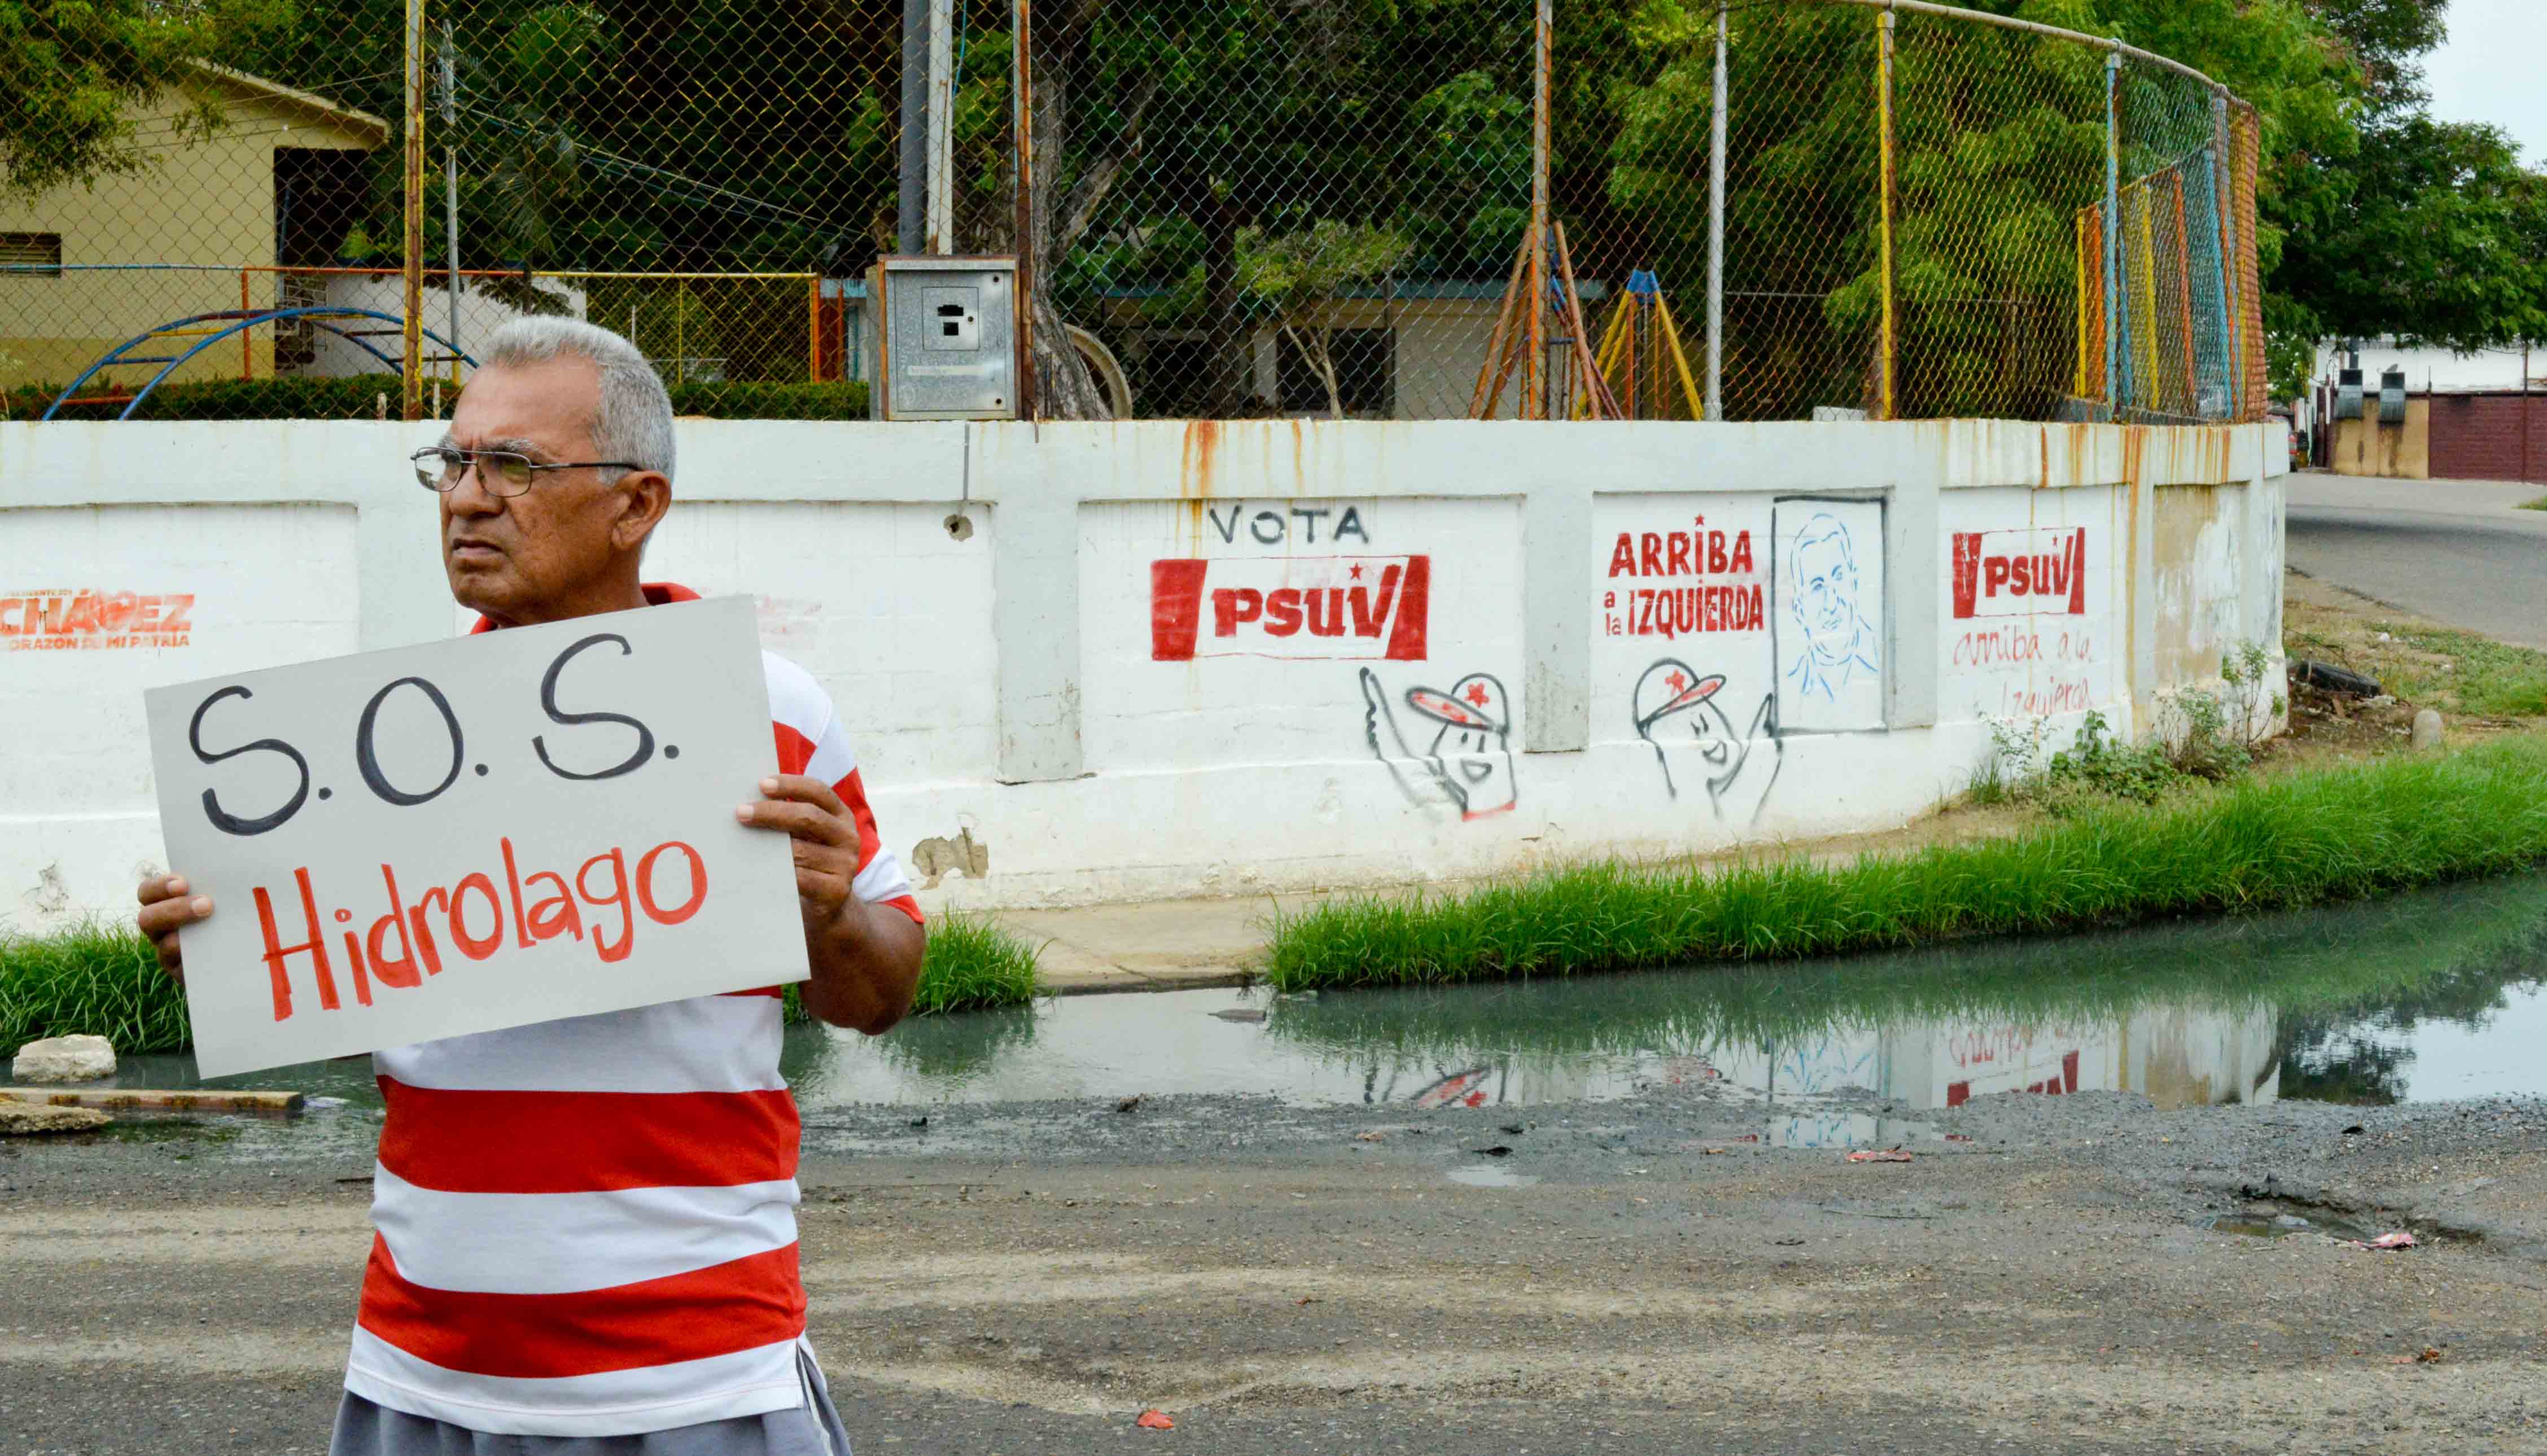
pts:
[1026, 1278]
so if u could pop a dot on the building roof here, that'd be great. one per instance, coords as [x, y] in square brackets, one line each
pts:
[362, 124]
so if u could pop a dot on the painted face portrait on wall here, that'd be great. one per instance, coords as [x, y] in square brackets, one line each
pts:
[1822, 596]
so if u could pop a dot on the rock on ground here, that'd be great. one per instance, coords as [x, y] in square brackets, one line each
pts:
[19, 1119]
[64, 1058]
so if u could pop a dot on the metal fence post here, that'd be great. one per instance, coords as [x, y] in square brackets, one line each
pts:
[1889, 345]
[2232, 377]
[1534, 383]
[940, 233]
[1022, 84]
[412, 367]
[2113, 234]
[910, 207]
[1716, 227]
[451, 200]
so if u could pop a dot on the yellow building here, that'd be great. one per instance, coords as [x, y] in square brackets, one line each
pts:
[278, 180]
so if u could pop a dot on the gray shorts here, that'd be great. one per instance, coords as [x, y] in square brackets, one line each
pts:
[812, 1429]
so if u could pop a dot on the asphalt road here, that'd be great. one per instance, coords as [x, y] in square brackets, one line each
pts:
[2459, 551]
[1026, 1278]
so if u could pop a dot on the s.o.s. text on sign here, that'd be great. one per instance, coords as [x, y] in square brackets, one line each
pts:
[474, 834]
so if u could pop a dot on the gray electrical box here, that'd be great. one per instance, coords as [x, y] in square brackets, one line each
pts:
[947, 338]
[2392, 397]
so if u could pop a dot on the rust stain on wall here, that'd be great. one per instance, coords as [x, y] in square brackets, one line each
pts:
[1201, 459]
[2187, 520]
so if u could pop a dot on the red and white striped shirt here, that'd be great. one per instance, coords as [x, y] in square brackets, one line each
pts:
[587, 1227]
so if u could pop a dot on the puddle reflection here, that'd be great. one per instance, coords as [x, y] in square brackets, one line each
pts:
[2417, 999]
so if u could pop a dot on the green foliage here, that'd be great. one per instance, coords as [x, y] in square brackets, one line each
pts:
[2204, 737]
[94, 980]
[71, 72]
[975, 964]
[2292, 841]
[376, 396]
[2540, 504]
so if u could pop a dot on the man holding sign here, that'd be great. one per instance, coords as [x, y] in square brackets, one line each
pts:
[585, 1224]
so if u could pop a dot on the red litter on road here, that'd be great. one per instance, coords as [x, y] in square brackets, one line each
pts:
[1154, 1421]
[1886, 1155]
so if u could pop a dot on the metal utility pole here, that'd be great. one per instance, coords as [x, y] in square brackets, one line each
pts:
[2113, 234]
[1534, 383]
[940, 238]
[451, 199]
[912, 207]
[412, 367]
[1716, 229]
[1890, 346]
[1022, 84]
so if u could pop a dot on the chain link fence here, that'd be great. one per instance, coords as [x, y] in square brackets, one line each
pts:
[1230, 207]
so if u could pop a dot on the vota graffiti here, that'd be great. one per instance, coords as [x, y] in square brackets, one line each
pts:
[1468, 762]
[1740, 766]
[1311, 608]
[2014, 573]
[91, 619]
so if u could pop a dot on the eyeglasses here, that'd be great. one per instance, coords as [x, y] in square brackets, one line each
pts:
[502, 472]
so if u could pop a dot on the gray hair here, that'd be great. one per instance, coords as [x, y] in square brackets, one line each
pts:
[634, 419]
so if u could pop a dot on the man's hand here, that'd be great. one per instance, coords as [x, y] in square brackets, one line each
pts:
[865, 958]
[166, 908]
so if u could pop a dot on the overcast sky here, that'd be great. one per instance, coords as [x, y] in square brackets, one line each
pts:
[2489, 70]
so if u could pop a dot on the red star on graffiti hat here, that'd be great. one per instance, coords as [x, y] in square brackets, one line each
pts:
[1670, 686]
[1475, 702]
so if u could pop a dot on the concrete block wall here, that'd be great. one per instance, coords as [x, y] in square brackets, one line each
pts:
[1165, 659]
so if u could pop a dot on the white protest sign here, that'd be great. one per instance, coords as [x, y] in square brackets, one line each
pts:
[475, 834]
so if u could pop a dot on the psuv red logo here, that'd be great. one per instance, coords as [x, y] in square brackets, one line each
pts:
[2017, 573]
[1326, 608]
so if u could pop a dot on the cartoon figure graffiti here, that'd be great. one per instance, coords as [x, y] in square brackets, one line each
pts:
[1740, 767]
[1469, 761]
[1838, 646]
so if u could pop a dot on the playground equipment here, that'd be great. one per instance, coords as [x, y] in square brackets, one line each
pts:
[207, 329]
[1635, 344]
[1535, 290]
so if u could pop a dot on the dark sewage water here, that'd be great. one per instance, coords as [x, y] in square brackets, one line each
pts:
[2437, 995]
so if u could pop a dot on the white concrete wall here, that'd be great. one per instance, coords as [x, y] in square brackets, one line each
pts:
[1033, 683]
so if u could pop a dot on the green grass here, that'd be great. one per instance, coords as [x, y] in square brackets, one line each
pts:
[2540, 504]
[97, 980]
[2461, 945]
[2296, 840]
[102, 980]
[975, 964]
[2489, 679]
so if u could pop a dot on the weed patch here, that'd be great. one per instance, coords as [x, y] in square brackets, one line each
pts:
[100, 980]
[975, 964]
[2296, 840]
[2460, 671]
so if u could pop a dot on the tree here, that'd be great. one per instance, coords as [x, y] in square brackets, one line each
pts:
[70, 73]
[1298, 276]
[1163, 131]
